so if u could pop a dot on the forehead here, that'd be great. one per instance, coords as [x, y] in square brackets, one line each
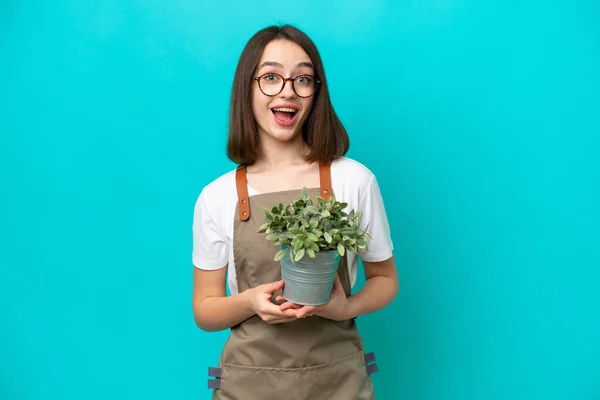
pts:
[284, 52]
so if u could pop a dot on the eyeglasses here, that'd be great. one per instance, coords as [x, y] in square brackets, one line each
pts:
[272, 84]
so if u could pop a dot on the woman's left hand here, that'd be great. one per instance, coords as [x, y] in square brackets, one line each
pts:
[336, 309]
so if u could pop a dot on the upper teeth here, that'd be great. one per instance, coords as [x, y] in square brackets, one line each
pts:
[285, 109]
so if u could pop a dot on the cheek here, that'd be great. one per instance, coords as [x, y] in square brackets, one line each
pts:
[307, 105]
[259, 103]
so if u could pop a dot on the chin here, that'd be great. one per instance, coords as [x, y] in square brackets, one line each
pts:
[282, 135]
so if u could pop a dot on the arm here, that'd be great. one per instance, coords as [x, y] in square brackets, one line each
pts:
[380, 288]
[381, 285]
[214, 310]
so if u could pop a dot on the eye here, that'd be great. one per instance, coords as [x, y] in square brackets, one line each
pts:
[270, 78]
[304, 80]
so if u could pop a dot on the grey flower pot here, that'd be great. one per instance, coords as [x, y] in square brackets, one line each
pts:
[310, 281]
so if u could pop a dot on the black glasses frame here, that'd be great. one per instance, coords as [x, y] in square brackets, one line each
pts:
[284, 80]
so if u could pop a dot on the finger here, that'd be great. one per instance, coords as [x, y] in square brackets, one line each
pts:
[272, 287]
[289, 306]
[305, 311]
[269, 309]
[276, 319]
[283, 317]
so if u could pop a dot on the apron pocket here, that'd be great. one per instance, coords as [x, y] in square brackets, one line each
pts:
[345, 379]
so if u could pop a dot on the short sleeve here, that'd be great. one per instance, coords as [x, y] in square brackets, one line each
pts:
[209, 241]
[380, 247]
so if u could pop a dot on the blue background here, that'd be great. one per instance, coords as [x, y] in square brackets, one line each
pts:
[479, 118]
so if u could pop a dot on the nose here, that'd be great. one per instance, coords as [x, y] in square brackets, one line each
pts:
[288, 89]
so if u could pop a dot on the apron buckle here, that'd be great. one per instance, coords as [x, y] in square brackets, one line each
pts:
[371, 364]
[214, 373]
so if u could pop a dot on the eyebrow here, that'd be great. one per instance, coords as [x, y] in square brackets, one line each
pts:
[276, 64]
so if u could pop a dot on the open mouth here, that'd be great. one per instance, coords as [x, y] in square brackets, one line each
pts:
[284, 115]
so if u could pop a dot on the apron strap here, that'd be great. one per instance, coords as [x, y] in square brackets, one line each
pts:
[242, 192]
[241, 183]
[325, 178]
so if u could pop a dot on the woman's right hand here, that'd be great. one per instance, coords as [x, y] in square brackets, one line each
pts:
[259, 299]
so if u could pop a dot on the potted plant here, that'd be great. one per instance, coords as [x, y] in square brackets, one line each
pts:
[312, 237]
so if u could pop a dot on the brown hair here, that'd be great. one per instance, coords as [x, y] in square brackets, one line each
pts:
[322, 131]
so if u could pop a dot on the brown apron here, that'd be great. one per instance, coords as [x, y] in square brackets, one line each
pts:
[307, 359]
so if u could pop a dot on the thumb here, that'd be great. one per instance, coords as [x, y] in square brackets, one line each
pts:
[273, 286]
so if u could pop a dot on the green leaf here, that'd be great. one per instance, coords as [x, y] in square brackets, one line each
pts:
[299, 255]
[268, 216]
[341, 249]
[311, 253]
[313, 237]
[348, 231]
[325, 214]
[280, 254]
[328, 237]
[366, 229]
[299, 244]
[304, 194]
[263, 227]
[312, 209]
[273, 236]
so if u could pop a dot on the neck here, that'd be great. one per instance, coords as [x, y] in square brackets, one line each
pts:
[277, 154]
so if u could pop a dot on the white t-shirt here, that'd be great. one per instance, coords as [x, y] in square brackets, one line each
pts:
[214, 215]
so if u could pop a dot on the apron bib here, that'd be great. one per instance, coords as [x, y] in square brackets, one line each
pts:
[307, 359]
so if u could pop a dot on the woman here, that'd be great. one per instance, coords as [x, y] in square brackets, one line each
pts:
[285, 135]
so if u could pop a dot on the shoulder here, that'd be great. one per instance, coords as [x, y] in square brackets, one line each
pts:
[223, 187]
[350, 172]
